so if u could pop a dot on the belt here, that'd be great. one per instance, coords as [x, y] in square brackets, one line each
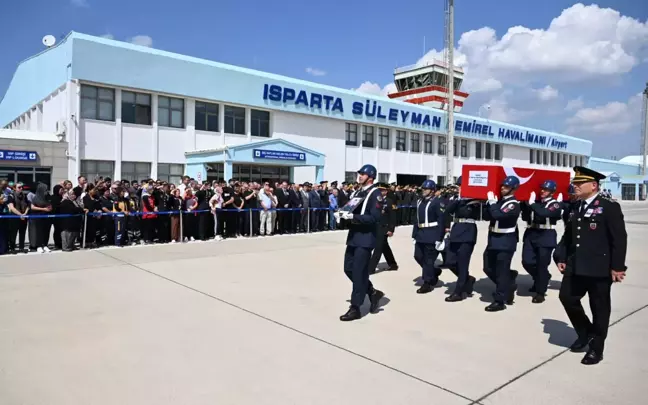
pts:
[542, 226]
[465, 221]
[502, 230]
[429, 225]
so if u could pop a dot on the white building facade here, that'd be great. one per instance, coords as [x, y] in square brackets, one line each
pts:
[131, 112]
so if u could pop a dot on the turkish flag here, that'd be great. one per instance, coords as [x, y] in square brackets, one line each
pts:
[478, 180]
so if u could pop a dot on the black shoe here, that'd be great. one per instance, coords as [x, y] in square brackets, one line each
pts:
[511, 297]
[538, 299]
[393, 267]
[470, 285]
[580, 345]
[375, 298]
[495, 307]
[591, 358]
[456, 297]
[425, 288]
[351, 315]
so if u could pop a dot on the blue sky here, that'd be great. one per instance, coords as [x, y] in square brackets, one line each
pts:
[581, 75]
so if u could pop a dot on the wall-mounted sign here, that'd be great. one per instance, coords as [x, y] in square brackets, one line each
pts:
[18, 155]
[615, 179]
[278, 155]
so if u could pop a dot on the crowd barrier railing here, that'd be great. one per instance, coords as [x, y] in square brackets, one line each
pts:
[117, 215]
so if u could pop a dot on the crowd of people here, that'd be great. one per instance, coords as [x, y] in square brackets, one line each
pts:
[106, 212]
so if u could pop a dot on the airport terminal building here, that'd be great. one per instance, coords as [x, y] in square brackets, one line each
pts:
[98, 107]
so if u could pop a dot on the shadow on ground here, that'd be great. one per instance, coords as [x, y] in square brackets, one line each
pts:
[560, 333]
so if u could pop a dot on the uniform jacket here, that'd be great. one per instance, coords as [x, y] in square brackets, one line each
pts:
[541, 213]
[567, 207]
[389, 212]
[363, 228]
[430, 210]
[463, 208]
[502, 215]
[595, 241]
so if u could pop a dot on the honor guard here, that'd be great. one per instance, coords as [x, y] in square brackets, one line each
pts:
[568, 206]
[362, 221]
[461, 242]
[385, 231]
[502, 242]
[540, 237]
[593, 257]
[428, 230]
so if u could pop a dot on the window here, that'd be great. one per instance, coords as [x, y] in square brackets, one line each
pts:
[415, 140]
[479, 150]
[538, 157]
[531, 156]
[234, 120]
[92, 169]
[571, 161]
[558, 159]
[455, 147]
[350, 177]
[440, 181]
[170, 172]
[135, 171]
[579, 160]
[367, 136]
[383, 138]
[565, 160]
[206, 116]
[498, 152]
[553, 158]
[441, 149]
[136, 108]
[427, 143]
[97, 103]
[170, 112]
[464, 148]
[352, 134]
[401, 140]
[383, 177]
[489, 151]
[260, 121]
[545, 160]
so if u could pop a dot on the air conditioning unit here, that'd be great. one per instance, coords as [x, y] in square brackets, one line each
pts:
[61, 128]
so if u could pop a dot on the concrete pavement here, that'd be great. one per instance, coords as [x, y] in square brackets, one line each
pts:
[256, 322]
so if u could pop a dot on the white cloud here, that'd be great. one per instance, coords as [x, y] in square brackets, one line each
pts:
[582, 43]
[502, 108]
[546, 93]
[574, 104]
[143, 40]
[613, 118]
[374, 88]
[315, 72]
[108, 36]
[79, 3]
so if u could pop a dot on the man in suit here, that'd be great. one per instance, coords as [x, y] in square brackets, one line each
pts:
[591, 258]
[305, 205]
[294, 202]
[315, 202]
[283, 203]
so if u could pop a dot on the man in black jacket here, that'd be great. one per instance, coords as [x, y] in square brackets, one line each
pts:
[283, 217]
[592, 257]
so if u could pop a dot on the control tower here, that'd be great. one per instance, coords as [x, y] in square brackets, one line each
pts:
[427, 84]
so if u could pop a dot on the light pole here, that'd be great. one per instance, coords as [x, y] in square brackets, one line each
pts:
[450, 65]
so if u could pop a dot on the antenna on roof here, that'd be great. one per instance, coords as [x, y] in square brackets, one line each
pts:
[49, 41]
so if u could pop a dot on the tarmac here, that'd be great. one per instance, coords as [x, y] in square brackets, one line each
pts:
[255, 321]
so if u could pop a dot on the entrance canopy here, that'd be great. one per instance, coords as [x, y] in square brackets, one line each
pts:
[274, 151]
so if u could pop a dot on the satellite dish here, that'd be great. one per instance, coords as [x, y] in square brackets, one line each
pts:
[49, 40]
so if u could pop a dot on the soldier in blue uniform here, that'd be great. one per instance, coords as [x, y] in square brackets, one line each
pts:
[428, 230]
[503, 237]
[462, 239]
[540, 237]
[362, 223]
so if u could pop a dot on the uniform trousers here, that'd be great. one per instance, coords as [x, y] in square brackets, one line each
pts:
[497, 266]
[536, 260]
[572, 290]
[458, 256]
[382, 248]
[425, 255]
[356, 268]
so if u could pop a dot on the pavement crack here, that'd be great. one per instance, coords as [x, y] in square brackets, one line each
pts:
[282, 325]
[537, 366]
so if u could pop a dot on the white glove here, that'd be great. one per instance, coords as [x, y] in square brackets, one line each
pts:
[347, 215]
[491, 197]
[337, 216]
[413, 241]
[532, 198]
[560, 197]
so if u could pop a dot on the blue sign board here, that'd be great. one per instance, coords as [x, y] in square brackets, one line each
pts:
[614, 179]
[18, 155]
[279, 155]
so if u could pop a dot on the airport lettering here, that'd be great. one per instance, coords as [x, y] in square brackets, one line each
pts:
[372, 110]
